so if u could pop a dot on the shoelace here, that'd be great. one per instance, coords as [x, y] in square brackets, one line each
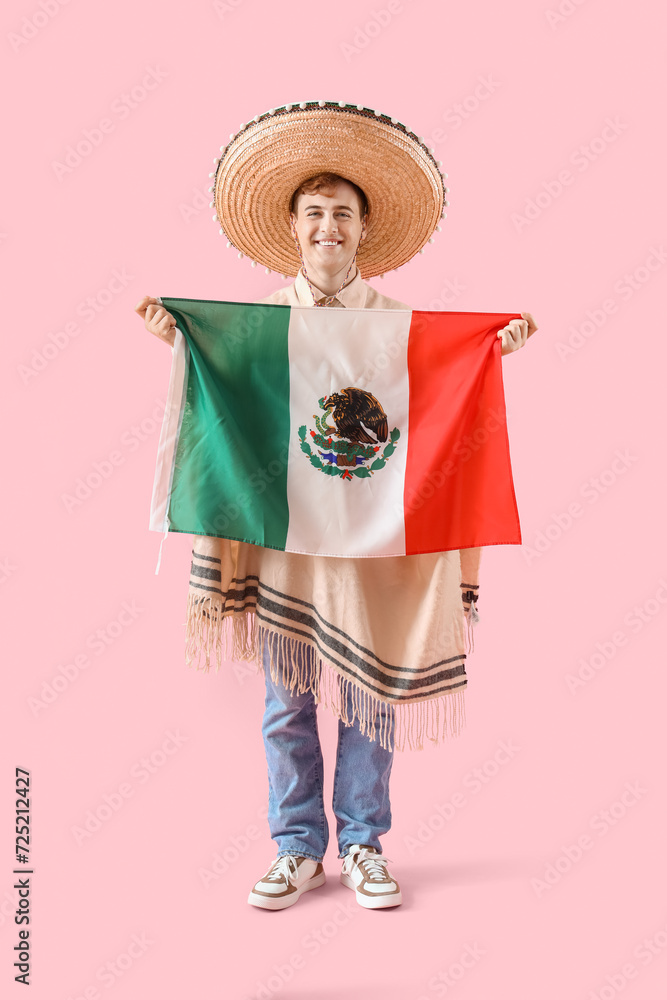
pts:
[285, 867]
[374, 865]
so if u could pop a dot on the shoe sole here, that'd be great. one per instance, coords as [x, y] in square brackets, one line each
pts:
[372, 902]
[281, 902]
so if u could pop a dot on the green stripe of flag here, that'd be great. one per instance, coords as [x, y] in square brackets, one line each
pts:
[230, 465]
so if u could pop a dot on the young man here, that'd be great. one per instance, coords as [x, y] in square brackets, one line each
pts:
[329, 219]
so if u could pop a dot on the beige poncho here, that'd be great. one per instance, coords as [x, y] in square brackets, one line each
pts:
[392, 630]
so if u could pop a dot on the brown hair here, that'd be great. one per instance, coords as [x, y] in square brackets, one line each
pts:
[326, 183]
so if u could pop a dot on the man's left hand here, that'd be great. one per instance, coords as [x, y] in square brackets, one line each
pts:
[516, 333]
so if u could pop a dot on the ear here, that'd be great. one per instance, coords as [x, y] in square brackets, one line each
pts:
[364, 230]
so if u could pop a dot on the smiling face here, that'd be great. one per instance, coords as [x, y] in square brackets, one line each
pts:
[329, 228]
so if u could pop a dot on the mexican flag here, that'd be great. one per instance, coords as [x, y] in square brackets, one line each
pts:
[339, 432]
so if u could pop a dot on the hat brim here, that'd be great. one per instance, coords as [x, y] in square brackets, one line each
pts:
[265, 163]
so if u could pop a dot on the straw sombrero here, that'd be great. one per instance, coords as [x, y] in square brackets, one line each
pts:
[269, 157]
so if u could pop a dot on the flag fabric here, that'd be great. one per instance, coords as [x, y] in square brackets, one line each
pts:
[336, 432]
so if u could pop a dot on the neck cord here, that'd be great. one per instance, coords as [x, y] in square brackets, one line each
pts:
[328, 299]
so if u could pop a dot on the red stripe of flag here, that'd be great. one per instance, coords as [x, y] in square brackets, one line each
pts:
[459, 491]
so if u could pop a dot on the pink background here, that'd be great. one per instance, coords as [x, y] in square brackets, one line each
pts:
[125, 911]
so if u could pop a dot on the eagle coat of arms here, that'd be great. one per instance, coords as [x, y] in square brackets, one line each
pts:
[351, 448]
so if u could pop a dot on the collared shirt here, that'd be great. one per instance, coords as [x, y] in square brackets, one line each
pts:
[356, 294]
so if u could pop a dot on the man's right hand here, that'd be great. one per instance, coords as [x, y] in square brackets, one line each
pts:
[157, 320]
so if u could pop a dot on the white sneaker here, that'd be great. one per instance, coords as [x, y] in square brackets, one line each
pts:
[365, 871]
[285, 880]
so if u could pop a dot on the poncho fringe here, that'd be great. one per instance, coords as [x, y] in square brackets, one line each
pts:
[211, 635]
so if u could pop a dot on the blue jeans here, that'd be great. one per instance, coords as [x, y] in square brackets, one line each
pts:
[297, 821]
